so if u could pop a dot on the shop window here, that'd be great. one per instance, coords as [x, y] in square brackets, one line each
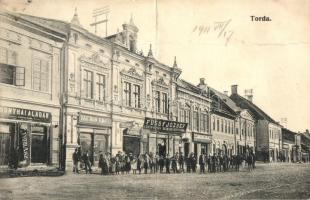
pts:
[40, 74]
[101, 85]
[100, 146]
[86, 143]
[6, 138]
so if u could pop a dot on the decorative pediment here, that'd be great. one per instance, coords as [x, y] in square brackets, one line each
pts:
[160, 81]
[132, 74]
[94, 59]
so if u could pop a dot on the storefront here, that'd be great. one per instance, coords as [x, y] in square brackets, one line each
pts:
[24, 137]
[202, 143]
[94, 135]
[131, 138]
[162, 136]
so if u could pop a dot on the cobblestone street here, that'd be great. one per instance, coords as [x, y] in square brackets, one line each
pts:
[268, 181]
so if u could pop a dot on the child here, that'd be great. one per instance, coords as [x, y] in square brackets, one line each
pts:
[134, 165]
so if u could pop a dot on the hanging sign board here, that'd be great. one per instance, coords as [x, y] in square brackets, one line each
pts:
[164, 125]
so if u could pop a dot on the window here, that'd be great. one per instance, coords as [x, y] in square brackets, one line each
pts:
[19, 76]
[127, 94]
[40, 74]
[100, 87]
[9, 72]
[196, 120]
[204, 122]
[136, 95]
[88, 84]
[182, 116]
[157, 101]
[188, 118]
[222, 125]
[217, 124]
[225, 126]
[165, 103]
[214, 123]
[3, 56]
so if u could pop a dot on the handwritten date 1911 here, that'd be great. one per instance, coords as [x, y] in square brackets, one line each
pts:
[218, 28]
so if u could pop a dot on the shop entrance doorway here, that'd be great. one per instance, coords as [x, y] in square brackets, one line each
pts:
[38, 144]
[186, 149]
[162, 149]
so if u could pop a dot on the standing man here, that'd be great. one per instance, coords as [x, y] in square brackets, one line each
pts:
[75, 159]
[202, 162]
[87, 162]
[181, 162]
[167, 164]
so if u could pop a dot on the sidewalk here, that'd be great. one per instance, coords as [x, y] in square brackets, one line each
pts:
[31, 171]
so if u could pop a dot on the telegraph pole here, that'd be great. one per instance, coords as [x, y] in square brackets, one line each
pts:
[104, 11]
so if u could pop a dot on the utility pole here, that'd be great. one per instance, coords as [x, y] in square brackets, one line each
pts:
[104, 11]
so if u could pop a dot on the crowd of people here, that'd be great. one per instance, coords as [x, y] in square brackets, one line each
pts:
[123, 163]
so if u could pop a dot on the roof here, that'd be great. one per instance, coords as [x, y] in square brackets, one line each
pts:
[230, 103]
[246, 104]
[58, 25]
[288, 135]
[186, 85]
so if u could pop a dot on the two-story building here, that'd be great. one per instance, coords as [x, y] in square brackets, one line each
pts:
[194, 109]
[30, 105]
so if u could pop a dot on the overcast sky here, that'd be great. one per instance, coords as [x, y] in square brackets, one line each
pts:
[271, 57]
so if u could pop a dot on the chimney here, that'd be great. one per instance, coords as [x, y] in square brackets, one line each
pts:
[234, 89]
[249, 94]
[226, 92]
[202, 85]
[202, 81]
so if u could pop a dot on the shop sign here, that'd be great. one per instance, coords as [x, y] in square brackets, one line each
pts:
[164, 125]
[202, 138]
[24, 114]
[286, 146]
[24, 137]
[126, 124]
[96, 120]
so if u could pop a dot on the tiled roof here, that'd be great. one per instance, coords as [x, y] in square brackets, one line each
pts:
[246, 104]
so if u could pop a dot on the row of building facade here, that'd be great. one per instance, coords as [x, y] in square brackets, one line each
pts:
[62, 88]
